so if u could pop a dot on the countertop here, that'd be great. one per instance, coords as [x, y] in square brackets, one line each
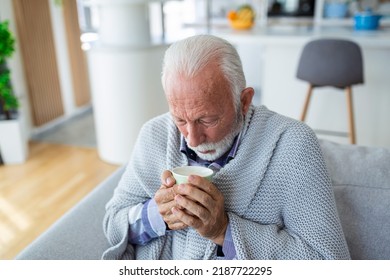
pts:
[291, 34]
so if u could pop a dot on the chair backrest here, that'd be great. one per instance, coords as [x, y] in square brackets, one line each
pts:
[331, 62]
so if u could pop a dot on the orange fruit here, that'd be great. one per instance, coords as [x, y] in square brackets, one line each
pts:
[232, 15]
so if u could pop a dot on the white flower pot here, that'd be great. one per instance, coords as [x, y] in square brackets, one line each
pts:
[13, 144]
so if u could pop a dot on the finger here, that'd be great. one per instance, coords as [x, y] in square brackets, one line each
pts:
[165, 208]
[195, 194]
[204, 185]
[187, 219]
[177, 226]
[192, 208]
[164, 196]
[172, 221]
[167, 179]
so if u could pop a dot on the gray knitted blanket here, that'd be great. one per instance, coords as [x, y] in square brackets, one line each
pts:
[277, 191]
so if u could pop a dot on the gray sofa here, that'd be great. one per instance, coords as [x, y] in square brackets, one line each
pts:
[361, 179]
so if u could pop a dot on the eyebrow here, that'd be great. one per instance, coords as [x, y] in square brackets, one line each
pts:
[201, 117]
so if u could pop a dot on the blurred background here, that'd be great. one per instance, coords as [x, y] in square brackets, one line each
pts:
[86, 74]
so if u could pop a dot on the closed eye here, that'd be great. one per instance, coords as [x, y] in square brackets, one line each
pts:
[208, 122]
[180, 122]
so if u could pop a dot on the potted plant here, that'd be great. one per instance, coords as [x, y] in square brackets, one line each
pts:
[13, 146]
[8, 101]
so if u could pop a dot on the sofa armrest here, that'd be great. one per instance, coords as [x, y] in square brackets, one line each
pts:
[78, 235]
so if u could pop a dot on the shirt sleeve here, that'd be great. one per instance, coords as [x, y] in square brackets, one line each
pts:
[228, 245]
[145, 223]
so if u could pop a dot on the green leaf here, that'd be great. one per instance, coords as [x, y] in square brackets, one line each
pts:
[7, 41]
[8, 100]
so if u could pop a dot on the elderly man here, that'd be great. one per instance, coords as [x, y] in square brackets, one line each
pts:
[270, 196]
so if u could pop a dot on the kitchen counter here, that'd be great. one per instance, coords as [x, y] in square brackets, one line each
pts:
[270, 58]
[296, 34]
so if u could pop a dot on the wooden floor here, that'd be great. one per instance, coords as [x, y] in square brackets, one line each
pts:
[35, 194]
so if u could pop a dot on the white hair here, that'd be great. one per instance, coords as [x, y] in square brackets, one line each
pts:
[189, 56]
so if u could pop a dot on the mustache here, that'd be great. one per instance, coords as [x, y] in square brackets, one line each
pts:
[219, 148]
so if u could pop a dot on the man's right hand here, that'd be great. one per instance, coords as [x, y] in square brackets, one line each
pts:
[164, 198]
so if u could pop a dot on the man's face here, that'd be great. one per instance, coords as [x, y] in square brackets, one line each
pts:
[204, 112]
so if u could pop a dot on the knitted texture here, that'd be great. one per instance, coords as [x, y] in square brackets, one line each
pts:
[277, 192]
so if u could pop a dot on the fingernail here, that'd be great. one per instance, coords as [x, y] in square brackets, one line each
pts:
[169, 181]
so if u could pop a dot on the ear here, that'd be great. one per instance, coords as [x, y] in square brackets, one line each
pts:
[246, 99]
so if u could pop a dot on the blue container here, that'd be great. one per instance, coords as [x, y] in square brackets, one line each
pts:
[336, 10]
[367, 21]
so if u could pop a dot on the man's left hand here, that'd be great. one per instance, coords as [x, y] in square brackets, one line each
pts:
[202, 207]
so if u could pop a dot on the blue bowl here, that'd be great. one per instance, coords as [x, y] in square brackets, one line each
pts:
[367, 21]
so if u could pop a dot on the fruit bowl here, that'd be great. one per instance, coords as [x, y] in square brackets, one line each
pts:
[241, 25]
[242, 18]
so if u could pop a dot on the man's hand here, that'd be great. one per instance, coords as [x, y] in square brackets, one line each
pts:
[201, 205]
[164, 198]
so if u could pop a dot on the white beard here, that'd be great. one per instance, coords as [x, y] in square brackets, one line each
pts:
[219, 148]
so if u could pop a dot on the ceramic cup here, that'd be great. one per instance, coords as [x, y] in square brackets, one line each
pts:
[181, 173]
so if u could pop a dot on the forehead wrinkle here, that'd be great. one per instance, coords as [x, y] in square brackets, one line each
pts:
[199, 96]
[191, 111]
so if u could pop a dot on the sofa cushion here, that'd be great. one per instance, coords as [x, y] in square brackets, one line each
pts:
[361, 180]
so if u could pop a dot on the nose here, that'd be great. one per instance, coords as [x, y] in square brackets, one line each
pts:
[195, 135]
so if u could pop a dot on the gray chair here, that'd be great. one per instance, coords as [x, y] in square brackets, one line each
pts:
[336, 63]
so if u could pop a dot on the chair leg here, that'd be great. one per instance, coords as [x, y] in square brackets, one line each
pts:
[352, 139]
[307, 101]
